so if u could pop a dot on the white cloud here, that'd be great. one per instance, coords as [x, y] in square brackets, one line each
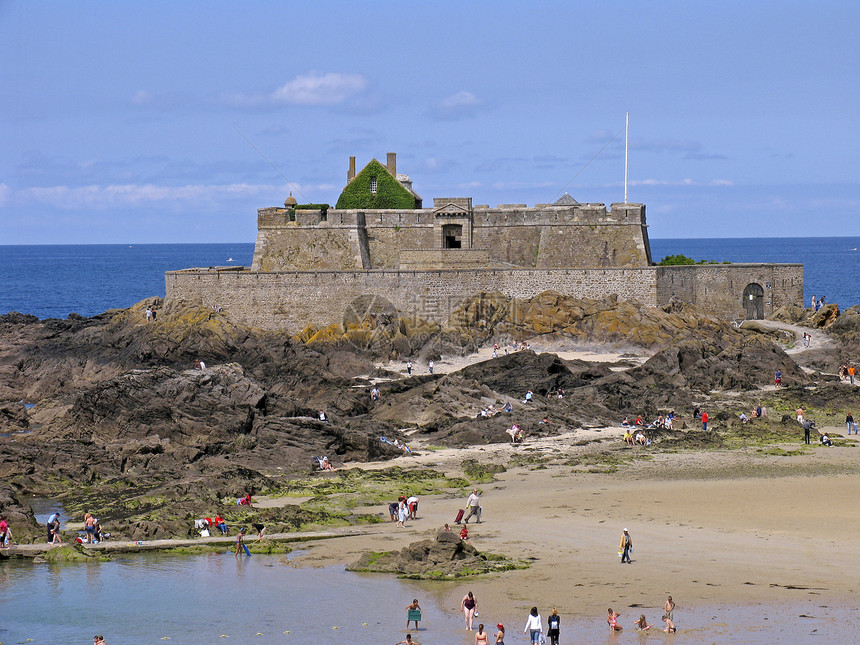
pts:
[320, 89]
[115, 195]
[312, 89]
[131, 195]
[462, 105]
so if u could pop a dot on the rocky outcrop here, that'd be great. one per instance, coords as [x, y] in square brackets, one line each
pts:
[445, 557]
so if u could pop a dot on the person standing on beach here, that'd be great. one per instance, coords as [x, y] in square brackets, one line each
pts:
[469, 605]
[807, 427]
[473, 503]
[533, 626]
[240, 542]
[410, 608]
[500, 635]
[402, 512]
[669, 608]
[481, 637]
[849, 421]
[704, 421]
[626, 546]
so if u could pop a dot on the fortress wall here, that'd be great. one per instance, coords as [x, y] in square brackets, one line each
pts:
[293, 300]
[719, 288]
[547, 236]
[292, 246]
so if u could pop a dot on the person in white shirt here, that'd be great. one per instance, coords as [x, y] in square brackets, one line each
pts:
[533, 626]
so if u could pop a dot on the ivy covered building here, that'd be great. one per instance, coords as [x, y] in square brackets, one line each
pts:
[378, 187]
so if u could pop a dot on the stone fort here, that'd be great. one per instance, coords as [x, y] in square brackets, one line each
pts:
[313, 263]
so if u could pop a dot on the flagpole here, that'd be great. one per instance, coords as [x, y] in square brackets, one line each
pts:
[626, 149]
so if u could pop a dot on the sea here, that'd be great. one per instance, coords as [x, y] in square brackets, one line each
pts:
[52, 281]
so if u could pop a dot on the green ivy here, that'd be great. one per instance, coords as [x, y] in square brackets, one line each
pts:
[675, 260]
[389, 192]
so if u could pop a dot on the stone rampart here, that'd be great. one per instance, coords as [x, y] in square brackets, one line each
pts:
[291, 301]
[724, 289]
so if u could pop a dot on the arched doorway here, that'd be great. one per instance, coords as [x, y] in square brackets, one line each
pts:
[754, 301]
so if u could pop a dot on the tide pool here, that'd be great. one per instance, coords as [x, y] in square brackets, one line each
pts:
[216, 598]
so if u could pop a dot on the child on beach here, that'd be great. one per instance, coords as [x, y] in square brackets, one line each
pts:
[414, 606]
[408, 641]
[670, 626]
[642, 624]
[612, 619]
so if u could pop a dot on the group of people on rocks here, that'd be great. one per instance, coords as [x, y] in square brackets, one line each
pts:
[847, 372]
[405, 508]
[660, 423]
[816, 305]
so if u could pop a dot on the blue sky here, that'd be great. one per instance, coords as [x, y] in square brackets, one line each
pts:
[174, 121]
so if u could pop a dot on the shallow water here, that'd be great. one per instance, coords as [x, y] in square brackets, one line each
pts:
[150, 598]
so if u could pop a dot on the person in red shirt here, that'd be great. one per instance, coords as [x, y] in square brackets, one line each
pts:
[704, 421]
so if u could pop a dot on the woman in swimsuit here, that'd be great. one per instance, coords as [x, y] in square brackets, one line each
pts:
[468, 605]
[500, 635]
[482, 636]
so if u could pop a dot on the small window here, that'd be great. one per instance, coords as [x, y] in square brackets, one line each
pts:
[373, 185]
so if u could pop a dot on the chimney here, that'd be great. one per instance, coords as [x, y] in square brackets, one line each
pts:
[350, 174]
[392, 163]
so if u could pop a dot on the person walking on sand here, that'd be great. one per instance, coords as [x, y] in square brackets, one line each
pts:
[553, 624]
[469, 605]
[849, 421]
[704, 421]
[533, 626]
[409, 609]
[473, 504]
[669, 608]
[626, 546]
[612, 619]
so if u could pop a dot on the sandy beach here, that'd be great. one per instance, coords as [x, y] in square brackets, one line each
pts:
[738, 527]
